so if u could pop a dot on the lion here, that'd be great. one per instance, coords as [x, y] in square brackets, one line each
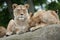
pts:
[19, 24]
[42, 18]
[2, 31]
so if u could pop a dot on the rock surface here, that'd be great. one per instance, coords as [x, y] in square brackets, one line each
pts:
[51, 32]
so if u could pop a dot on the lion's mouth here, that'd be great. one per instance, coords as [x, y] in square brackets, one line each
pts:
[21, 18]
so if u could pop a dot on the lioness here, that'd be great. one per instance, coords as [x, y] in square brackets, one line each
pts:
[43, 18]
[20, 22]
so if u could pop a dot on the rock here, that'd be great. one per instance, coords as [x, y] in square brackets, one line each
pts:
[51, 32]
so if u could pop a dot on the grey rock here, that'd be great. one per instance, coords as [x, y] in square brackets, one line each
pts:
[51, 32]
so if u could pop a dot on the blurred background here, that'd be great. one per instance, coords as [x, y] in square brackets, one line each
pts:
[6, 12]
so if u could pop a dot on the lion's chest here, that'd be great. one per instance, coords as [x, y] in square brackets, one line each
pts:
[21, 26]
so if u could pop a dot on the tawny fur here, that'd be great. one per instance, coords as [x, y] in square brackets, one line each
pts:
[20, 22]
[43, 18]
[2, 31]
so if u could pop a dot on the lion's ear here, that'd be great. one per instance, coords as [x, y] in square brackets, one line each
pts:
[14, 6]
[27, 6]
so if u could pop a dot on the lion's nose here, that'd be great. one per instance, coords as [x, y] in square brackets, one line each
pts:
[21, 14]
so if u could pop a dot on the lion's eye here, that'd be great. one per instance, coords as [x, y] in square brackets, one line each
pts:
[24, 11]
[18, 9]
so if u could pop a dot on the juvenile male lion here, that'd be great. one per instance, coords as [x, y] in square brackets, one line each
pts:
[20, 22]
[43, 18]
